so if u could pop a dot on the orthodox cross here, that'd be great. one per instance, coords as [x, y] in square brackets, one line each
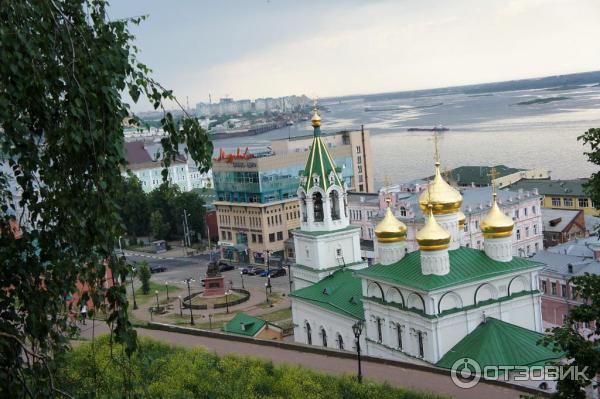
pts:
[493, 175]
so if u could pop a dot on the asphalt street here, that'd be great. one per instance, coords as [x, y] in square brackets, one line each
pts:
[179, 269]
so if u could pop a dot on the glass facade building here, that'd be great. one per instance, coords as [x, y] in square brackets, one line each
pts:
[249, 185]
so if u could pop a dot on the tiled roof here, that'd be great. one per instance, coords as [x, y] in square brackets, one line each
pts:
[557, 220]
[573, 187]
[244, 324]
[497, 343]
[577, 247]
[466, 265]
[135, 153]
[559, 263]
[341, 292]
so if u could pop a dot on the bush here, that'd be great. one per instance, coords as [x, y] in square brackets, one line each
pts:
[157, 370]
[144, 276]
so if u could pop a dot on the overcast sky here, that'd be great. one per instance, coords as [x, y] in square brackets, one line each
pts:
[260, 48]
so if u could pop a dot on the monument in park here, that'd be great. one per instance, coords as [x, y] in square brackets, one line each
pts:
[214, 283]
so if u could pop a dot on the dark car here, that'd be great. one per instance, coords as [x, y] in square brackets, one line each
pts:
[225, 267]
[157, 269]
[278, 272]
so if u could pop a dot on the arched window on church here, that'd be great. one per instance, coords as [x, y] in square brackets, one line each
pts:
[334, 198]
[340, 341]
[318, 206]
[379, 331]
[402, 211]
[308, 334]
[324, 336]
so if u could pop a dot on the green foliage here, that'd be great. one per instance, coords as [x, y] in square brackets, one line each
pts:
[583, 350]
[144, 276]
[592, 138]
[161, 371]
[158, 226]
[64, 68]
[134, 207]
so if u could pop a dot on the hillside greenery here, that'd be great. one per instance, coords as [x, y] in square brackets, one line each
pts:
[157, 370]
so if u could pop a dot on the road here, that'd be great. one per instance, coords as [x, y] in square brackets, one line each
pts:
[179, 269]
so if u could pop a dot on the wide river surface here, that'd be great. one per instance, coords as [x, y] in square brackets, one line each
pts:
[488, 129]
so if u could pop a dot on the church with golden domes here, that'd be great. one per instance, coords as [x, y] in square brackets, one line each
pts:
[436, 305]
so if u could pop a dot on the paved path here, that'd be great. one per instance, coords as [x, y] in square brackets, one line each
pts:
[398, 376]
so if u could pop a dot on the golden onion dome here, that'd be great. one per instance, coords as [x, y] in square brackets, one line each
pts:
[432, 236]
[316, 119]
[390, 229]
[461, 219]
[496, 224]
[444, 198]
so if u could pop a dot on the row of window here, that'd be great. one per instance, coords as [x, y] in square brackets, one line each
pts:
[564, 291]
[568, 202]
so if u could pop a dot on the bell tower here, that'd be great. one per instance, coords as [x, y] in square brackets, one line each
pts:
[325, 241]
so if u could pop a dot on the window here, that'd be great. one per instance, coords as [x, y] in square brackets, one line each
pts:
[359, 160]
[324, 336]
[553, 288]
[525, 211]
[573, 293]
[526, 231]
[563, 290]
[260, 238]
[528, 250]
[224, 235]
[537, 247]
[516, 213]
[476, 224]
[555, 201]
[421, 348]
[334, 199]
[361, 188]
[280, 236]
[568, 201]
[318, 207]
[229, 235]
[402, 211]
[308, 334]
[340, 341]
[360, 169]
[272, 237]
[399, 332]
[518, 234]
[358, 149]
[379, 331]
[253, 237]
[544, 287]
[583, 202]
[338, 252]
[535, 229]
[533, 210]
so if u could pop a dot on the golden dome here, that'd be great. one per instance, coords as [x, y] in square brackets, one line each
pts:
[461, 219]
[316, 119]
[496, 224]
[444, 198]
[390, 229]
[432, 236]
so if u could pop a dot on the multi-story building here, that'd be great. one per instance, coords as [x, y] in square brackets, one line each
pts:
[561, 194]
[257, 202]
[362, 208]
[148, 169]
[479, 176]
[558, 295]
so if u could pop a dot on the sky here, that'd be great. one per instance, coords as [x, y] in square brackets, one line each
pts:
[322, 48]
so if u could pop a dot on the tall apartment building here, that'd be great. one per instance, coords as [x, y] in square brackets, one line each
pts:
[257, 203]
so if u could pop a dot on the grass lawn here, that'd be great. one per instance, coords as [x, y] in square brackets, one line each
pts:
[143, 299]
[282, 314]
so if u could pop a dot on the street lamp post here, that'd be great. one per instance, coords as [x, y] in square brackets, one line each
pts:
[167, 287]
[268, 251]
[242, 276]
[227, 299]
[180, 307]
[210, 321]
[357, 330]
[267, 287]
[157, 305]
[290, 275]
[188, 280]
[135, 306]
[269, 284]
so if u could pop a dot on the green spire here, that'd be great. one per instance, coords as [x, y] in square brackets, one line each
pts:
[319, 163]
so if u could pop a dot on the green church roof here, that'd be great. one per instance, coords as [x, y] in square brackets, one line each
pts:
[497, 343]
[244, 324]
[466, 265]
[340, 292]
[320, 163]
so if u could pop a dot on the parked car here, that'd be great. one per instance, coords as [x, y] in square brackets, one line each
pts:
[225, 267]
[157, 269]
[255, 271]
[278, 272]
